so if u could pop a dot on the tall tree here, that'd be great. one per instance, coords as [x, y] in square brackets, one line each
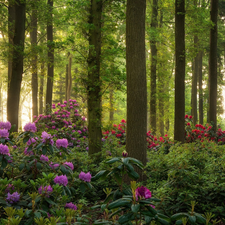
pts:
[50, 45]
[179, 70]
[17, 64]
[41, 89]
[136, 80]
[213, 63]
[94, 81]
[200, 106]
[153, 41]
[68, 77]
[33, 37]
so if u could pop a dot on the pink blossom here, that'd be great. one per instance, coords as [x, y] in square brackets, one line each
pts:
[85, 176]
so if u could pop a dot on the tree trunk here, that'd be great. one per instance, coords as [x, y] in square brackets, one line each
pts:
[33, 37]
[194, 85]
[41, 88]
[213, 64]
[111, 108]
[200, 87]
[153, 66]
[17, 64]
[136, 81]
[11, 31]
[1, 102]
[69, 78]
[94, 81]
[179, 130]
[50, 46]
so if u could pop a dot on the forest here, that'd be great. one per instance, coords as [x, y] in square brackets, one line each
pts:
[112, 112]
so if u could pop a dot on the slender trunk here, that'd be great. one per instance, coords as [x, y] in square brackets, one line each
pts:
[94, 81]
[1, 109]
[34, 83]
[200, 87]
[136, 81]
[179, 70]
[111, 108]
[153, 66]
[17, 65]
[213, 65]
[66, 91]
[50, 46]
[61, 89]
[68, 77]
[41, 88]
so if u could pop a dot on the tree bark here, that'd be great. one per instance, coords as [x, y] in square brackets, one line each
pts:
[41, 88]
[213, 65]
[179, 130]
[153, 66]
[33, 37]
[50, 46]
[200, 87]
[136, 81]
[111, 108]
[69, 77]
[94, 81]
[17, 65]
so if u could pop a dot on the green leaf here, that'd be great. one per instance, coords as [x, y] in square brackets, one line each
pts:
[50, 201]
[133, 174]
[118, 203]
[22, 165]
[114, 213]
[37, 214]
[44, 150]
[51, 149]
[2, 140]
[162, 221]
[192, 219]
[147, 213]
[4, 163]
[25, 140]
[152, 210]
[116, 159]
[39, 166]
[200, 218]
[137, 162]
[63, 169]
[82, 187]
[179, 216]
[179, 222]
[118, 178]
[39, 146]
[135, 208]
[125, 218]
[99, 174]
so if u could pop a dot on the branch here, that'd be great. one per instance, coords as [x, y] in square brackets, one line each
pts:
[4, 5]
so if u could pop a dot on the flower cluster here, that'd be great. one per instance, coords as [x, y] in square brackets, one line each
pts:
[85, 176]
[46, 138]
[142, 193]
[71, 206]
[45, 190]
[62, 180]
[13, 198]
[44, 158]
[62, 143]
[4, 150]
[5, 125]
[69, 164]
[30, 127]
[4, 133]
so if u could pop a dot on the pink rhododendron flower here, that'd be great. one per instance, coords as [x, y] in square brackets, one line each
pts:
[5, 125]
[44, 158]
[69, 164]
[46, 190]
[62, 180]
[13, 198]
[85, 176]
[62, 143]
[142, 192]
[4, 150]
[71, 206]
[30, 127]
[4, 133]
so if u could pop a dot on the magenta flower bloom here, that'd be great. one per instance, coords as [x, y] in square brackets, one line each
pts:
[71, 206]
[13, 198]
[44, 158]
[46, 190]
[85, 176]
[4, 133]
[54, 166]
[9, 188]
[30, 127]
[69, 164]
[62, 143]
[5, 125]
[142, 192]
[27, 153]
[61, 180]
[46, 138]
[4, 150]
[31, 141]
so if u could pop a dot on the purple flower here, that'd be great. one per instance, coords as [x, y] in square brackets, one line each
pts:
[142, 192]
[85, 176]
[44, 158]
[30, 127]
[62, 143]
[87, 148]
[54, 166]
[46, 138]
[9, 188]
[31, 141]
[28, 153]
[13, 198]
[4, 150]
[71, 206]
[46, 190]
[4, 133]
[69, 164]
[61, 180]
[5, 125]
[125, 154]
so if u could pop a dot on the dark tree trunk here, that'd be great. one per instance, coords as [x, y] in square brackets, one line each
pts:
[213, 64]
[153, 66]
[200, 87]
[41, 88]
[69, 78]
[194, 84]
[179, 70]
[17, 64]
[1, 103]
[94, 81]
[11, 30]
[50, 45]
[61, 97]
[136, 81]
[33, 37]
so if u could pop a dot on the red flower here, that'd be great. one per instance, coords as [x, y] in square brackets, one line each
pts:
[190, 117]
[188, 124]
[186, 116]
